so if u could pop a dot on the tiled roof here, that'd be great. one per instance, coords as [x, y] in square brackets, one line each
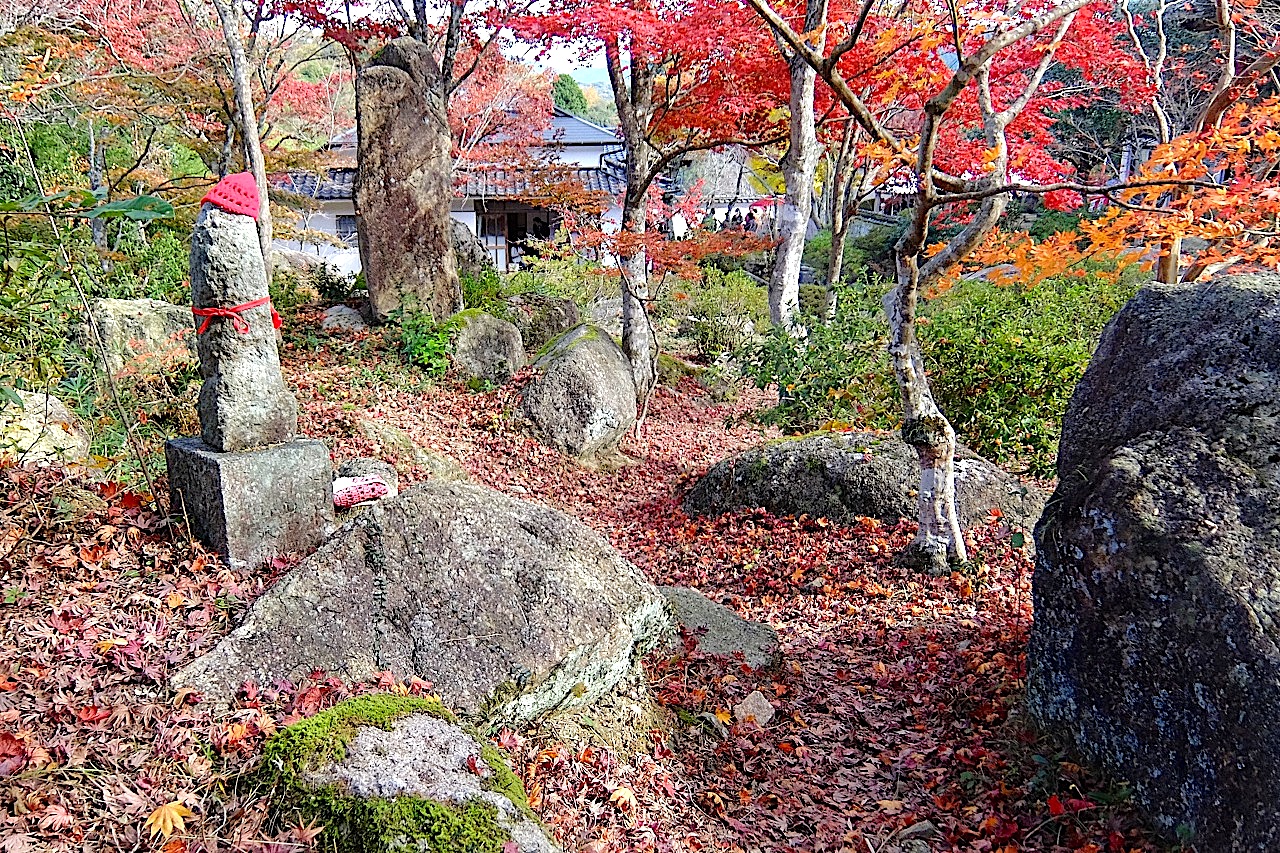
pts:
[530, 183]
[567, 129]
[493, 184]
[340, 184]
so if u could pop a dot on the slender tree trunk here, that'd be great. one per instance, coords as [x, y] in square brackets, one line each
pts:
[844, 200]
[97, 180]
[634, 101]
[924, 427]
[639, 342]
[835, 264]
[1170, 261]
[798, 168]
[248, 121]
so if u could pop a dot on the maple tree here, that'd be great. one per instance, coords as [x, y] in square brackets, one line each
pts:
[685, 78]
[1216, 117]
[498, 116]
[148, 83]
[956, 70]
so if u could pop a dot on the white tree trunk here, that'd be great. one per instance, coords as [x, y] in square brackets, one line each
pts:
[798, 170]
[639, 343]
[939, 540]
[248, 122]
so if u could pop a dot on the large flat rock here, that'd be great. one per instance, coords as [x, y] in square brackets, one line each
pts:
[844, 475]
[509, 608]
[720, 631]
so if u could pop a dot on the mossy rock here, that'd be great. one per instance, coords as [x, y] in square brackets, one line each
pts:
[845, 476]
[541, 318]
[671, 370]
[385, 774]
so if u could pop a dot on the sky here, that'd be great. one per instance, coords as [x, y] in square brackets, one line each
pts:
[565, 60]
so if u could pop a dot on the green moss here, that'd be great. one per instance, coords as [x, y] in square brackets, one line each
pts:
[316, 741]
[671, 370]
[401, 824]
[376, 824]
[504, 781]
[587, 333]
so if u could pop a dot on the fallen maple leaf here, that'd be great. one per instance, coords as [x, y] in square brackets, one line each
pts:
[19, 842]
[624, 799]
[168, 819]
[1055, 806]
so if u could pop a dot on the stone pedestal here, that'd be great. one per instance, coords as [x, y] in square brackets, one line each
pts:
[253, 505]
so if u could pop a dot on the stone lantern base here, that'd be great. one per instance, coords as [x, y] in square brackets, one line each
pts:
[253, 505]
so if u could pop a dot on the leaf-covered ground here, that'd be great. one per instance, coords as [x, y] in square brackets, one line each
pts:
[898, 722]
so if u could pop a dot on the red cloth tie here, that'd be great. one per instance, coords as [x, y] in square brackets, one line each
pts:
[233, 314]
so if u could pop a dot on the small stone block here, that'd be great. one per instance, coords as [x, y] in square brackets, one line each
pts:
[253, 505]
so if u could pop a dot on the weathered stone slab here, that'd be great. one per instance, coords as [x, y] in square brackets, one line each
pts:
[243, 402]
[472, 256]
[486, 348]
[541, 318]
[719, 630]
[510, 609]
[145, 333]
[41, 430]
[405, 183]
[253, 505]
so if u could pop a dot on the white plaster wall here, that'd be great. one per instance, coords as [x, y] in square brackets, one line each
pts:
[582, 155]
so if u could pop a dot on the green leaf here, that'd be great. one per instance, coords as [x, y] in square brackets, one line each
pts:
[1018, 539]
[9, 396]
[140, 208]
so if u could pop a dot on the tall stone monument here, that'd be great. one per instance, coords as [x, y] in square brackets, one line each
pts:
[250, 488]
[405, 183]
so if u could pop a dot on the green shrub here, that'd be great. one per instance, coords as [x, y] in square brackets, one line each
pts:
[556, 271]
[331, 284]
[1002, 362]
[839, 372]
[290, 291]
[425, 342]
[719, 313]
[38, 309]
[815, 301]
[871, 251]
[483, 291]
[1005, 359]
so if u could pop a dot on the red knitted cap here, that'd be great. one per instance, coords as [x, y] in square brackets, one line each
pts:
[236, 193]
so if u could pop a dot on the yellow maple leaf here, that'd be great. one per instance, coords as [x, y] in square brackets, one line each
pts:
[723, 716]
[168, 819]
[624, 799]
[107, 645]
